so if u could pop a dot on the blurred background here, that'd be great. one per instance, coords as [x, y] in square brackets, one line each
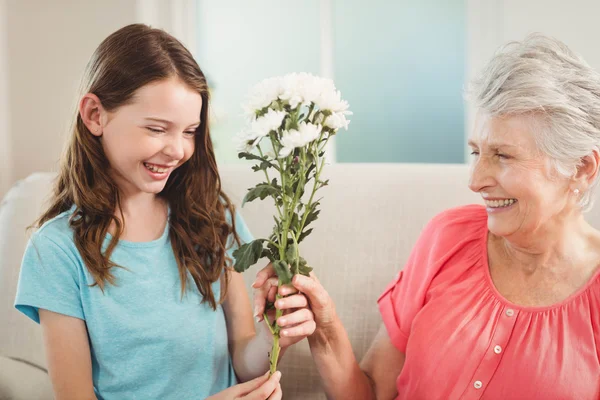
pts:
[402, 65]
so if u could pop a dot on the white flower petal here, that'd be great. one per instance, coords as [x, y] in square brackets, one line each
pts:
[263, 94]
[305, 134]
[271, 121]
[336, 121]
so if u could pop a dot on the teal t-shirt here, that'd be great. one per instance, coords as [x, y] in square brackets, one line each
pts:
[146, 341]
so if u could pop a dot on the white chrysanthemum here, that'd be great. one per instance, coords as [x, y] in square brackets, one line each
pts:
[336, 121]
[246, 140]
[332, 100]
[303, 88]
[292, 139]
[290, 92]
[263, 94]
[271, 121]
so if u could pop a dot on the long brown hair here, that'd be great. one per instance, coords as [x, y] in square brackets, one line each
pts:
[198, 228]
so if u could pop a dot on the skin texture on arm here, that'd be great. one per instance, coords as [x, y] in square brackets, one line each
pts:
[68, 354]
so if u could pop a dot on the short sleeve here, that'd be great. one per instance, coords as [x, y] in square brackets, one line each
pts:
[242, 231]
[49, 279]
[406, 295]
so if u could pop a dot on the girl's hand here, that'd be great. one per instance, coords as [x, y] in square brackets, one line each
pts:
[261, 388]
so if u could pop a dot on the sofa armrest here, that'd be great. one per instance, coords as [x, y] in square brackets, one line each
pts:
[20, 380]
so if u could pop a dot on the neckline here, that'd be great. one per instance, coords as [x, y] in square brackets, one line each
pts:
[162, 239]
[531, 309]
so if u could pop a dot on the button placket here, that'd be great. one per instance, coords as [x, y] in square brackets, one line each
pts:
[500, 337]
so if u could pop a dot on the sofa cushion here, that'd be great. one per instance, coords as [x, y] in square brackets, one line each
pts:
[20, 380]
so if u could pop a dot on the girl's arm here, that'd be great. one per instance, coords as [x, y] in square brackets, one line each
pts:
[68, 355]
[248, 351]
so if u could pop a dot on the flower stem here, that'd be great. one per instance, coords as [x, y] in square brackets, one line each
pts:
[312, 195]
[275, 330]
[269, 181]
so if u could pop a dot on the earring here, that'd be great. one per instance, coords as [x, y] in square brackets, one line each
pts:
[576, 192]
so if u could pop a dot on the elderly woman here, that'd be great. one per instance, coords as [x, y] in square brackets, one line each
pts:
[500, 301]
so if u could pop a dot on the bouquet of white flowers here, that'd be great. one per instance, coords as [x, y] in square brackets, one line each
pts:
[296, 115]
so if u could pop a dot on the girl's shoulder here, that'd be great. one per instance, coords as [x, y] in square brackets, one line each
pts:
[57, 230]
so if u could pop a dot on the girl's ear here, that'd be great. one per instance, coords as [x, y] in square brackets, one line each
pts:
[90, 109]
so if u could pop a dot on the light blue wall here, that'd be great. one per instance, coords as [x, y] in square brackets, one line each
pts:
[242, 42]
[401, 66]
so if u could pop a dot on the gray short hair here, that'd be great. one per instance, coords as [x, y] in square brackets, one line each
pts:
[541, 76]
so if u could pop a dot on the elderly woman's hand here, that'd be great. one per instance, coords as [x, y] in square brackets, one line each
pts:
[304, 291]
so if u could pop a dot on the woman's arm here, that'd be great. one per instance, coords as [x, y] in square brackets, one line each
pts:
[343, 378]
[382, 365]
[68, 355]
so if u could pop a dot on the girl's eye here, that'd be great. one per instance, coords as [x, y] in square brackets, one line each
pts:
[155, 130]
[190, 133]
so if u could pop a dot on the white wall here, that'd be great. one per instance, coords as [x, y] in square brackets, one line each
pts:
[491, 23]
[48, 46]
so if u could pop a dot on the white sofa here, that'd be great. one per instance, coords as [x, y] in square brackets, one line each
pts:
[371, 216]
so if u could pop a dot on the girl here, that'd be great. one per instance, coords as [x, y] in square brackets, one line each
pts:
[127, 273]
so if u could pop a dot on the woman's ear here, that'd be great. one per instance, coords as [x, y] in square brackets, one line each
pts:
[587, 171]
[90, 109]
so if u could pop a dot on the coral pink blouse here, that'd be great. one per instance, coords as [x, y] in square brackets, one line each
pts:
[464, 341]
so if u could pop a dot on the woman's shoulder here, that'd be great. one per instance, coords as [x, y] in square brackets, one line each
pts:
[458, 223]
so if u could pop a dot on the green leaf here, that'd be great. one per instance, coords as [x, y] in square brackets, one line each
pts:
[303, 268]
[262, 190]
[266, 253]
[247, 255]
[295, 222]
[250, 156]
[263, 166]
[309, 170]
[313, 215]
[304, 235]
[274, 252]
[283, 272]
[295, 188]
[290, 254]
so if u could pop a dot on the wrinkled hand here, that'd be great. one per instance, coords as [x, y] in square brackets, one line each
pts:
[305, 293]
[297, 321]
[261, 388]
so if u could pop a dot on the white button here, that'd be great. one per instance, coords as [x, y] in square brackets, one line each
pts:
[497, 349]
[510, 312]
[478, 384]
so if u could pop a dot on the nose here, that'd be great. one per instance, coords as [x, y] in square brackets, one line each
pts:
[174, 148]
[481, 175]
